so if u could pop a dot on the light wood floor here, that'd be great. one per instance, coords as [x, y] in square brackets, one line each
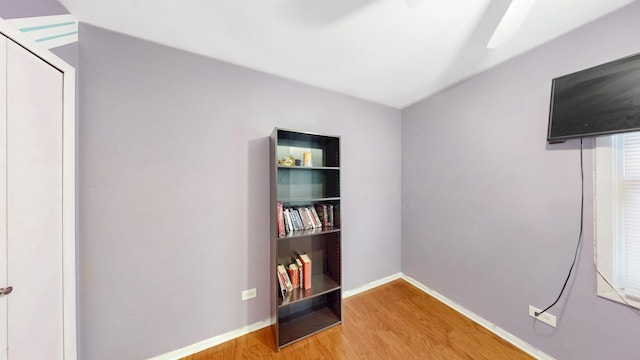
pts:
[392, 321]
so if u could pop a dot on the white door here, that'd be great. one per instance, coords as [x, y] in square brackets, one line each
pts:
[31, 178]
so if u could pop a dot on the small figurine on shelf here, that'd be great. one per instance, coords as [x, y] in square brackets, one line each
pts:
[307, 161]
[287, 161]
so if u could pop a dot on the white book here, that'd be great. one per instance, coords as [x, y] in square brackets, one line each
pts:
[287, 218]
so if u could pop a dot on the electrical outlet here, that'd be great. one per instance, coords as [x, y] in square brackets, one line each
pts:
[545, 317]
[249, 294]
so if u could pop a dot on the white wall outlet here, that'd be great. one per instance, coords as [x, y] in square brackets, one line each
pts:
[544, 317]
[249, 294]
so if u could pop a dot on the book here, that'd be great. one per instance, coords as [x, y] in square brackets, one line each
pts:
[297, 210]
[294, 219]
[307, 210]
[300, 271]
[314, 222]
[298, 225]
[330, 212]
[283, 288]
[288, 223]
[285, 282]
[294, 275]
[306, 269]
[281, 228]
[282, 282]
[306, 221]
[322, 213]
[292, 216]
[316, 218]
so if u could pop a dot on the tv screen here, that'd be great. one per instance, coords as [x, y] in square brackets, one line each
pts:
[601, 100]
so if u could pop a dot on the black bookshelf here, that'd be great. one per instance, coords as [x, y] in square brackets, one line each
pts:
[303, 312]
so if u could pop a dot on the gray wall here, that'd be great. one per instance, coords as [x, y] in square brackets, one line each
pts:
[11, 9]
[70, 54]
[490, 213]
[174, 195]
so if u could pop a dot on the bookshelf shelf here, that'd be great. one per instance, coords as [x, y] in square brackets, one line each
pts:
[311, 232]
[306, 324]
[305, 219]
[322, 284]
[308, 199]
[281, 167]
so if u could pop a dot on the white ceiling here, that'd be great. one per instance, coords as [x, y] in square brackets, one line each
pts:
[379, 50]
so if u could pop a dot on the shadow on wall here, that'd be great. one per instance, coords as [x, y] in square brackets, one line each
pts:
[258, 231]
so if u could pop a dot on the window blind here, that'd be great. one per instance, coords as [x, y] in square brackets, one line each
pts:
[630, 237]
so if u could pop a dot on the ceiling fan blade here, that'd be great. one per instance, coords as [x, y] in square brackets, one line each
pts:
[510, 23]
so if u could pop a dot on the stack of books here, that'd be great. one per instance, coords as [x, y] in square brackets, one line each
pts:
[290, 219]
[295, 275]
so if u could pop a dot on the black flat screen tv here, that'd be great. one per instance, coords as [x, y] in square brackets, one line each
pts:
[601, 100]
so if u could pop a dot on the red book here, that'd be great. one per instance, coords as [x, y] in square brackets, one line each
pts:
[281, 231]
[300, 273]
[314, 215]
[294, 275]
[306, 270]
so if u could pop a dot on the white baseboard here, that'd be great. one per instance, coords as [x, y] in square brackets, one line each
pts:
[208, 343]
[371, 285]
[507, 336]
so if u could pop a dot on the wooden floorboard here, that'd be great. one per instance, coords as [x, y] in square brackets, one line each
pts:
[392, 321]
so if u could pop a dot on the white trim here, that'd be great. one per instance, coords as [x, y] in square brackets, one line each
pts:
[371, 285]
[48, 31]
[209, 343]
[507, 336]
[603, 215]
[69, 182]
[605, 220]
[69, 212]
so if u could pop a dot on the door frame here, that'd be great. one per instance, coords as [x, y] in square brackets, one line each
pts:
[68, 182]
